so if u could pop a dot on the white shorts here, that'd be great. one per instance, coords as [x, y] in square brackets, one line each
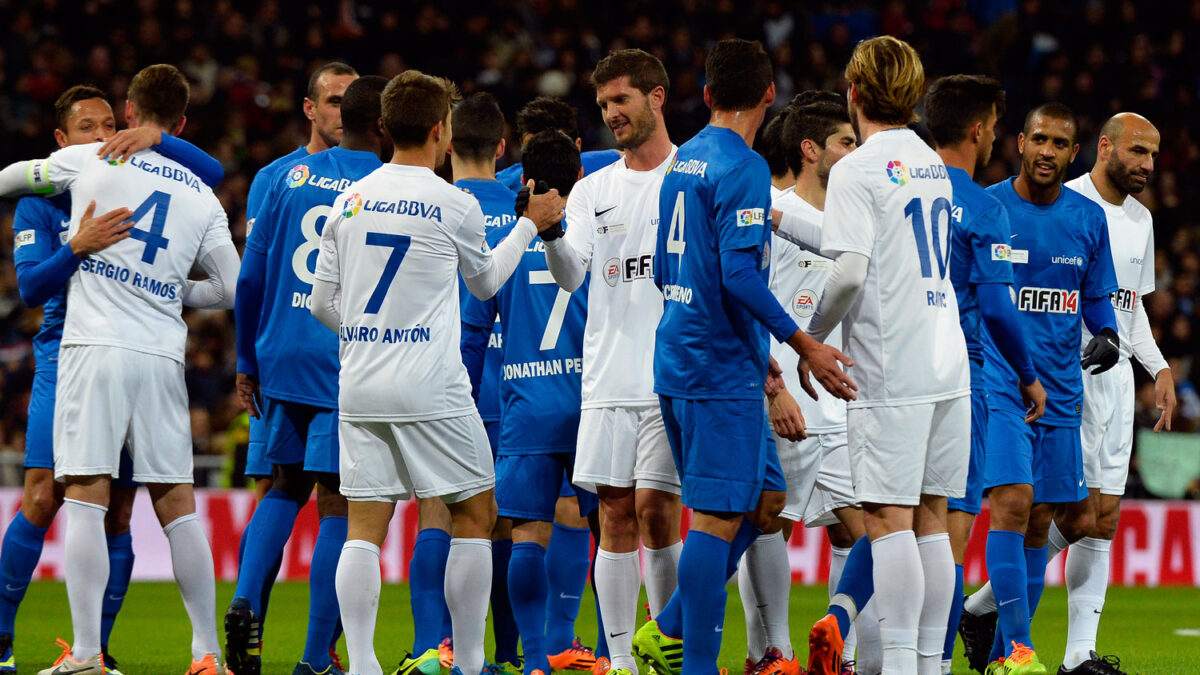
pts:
[109, 397]
[391, 461]
[833, 489]
[624, 447]
[898, 453]
[1107, 428]
[801, 460]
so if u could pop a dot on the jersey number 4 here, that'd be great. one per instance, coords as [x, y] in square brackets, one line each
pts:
[153, 239]
[399, 244]
[914, 211]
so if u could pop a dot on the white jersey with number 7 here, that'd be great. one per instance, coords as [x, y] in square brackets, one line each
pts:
[892, 200]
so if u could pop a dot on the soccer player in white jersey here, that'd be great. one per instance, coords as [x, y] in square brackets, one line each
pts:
[887, 228]
[404, 226]
[623, 454]
[121, 363]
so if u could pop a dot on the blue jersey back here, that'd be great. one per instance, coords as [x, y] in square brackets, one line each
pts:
[264, 179]
[48, 219]
[1060, 256]
[716, 197]
[297, 356]
[542, 355]
[979, 241]
[592, 160]
[497, 203]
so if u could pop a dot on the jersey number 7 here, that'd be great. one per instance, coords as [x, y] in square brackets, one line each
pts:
[399, 244]
[558, 312]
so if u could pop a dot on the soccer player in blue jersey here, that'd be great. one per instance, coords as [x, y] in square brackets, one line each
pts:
[1062, 272]
[544, 113]
[540, 398]
[961, 112]
[284, 353]
[711, 353]
[45, 259]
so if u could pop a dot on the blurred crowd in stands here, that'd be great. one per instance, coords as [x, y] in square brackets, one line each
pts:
[248, 62]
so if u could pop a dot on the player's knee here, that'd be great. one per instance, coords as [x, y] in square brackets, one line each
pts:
[474, 517]
[839, 535]
[292, 481]
[120, 512]
[1106, 524]
[770, 505]
[657, 520]
[41, 504]
[1079, 525]
[1010, 507]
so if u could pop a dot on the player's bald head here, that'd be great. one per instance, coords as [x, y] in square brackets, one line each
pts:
[1118, 126]
[1126, 152]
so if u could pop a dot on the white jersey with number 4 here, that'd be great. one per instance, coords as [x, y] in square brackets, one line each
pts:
[1131, 237]
[891, 200]
[394, 243]
[130, 295]
[797, 280]
[612, 221]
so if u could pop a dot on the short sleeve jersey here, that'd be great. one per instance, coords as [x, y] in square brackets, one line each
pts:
[797, 281]
[265, 178]
[130, 295]
[1061, 257]
[891, 200]
[542, 354]
[1131, 238]
[394, 244]
[614, 215]
[297, 356]
[497, 203]
[40, 230]
[979, 243]
[593, 161]
[716, 197]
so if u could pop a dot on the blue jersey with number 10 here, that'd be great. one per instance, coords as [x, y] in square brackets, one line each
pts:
[715, 198]
[297, 356]
[542, 363]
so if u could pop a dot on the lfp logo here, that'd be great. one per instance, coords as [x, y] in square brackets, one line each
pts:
[896, 172]
[353, 203]
[297, 176]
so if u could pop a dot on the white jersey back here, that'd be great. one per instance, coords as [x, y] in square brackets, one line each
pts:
[1131, 237]
[891, 200]
[394, 242]
[797, 280]
[130, 295]
[612, 220]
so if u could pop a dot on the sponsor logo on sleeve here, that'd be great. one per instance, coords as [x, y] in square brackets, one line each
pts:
[896, 172]
[297, 176]
[353, 204]
[24, 238]
[1001, 252]
[748, 217]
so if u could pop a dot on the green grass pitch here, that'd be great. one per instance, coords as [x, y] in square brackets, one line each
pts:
[152, 635]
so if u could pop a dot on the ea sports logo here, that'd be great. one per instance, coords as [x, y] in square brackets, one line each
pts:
[297, 176]
[353, 203]
[612, 271]
[896, 172]
[804, 303]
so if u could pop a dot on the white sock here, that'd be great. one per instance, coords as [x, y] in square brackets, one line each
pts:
[662, 565]
[192, 562]
[771, 576]
[837, 563]
[1055, 542]
[946, 664]
[756, 634]
[1087, 582]
[86, 572]
[357, 582]
[981, 601]
[618, 580]
[468, 589]
[865, 630]
[937, 562]
[899, 593]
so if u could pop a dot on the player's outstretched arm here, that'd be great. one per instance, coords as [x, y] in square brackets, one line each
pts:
[40, 274]
[484, 274]
[1141, 339]
[128, 142]
[800, 231]
[327, 303]
[218, 289]
[786, 417]
[1004, 324]
[568, 263]
[26, 177]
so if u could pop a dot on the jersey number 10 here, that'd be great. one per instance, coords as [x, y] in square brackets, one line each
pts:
[915, 212]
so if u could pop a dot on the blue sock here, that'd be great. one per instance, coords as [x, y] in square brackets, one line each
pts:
[703, 564]
[504, 626]
[601, 641]
[1006, 569]
[527, 590]
[566, 574]
[858, 582]
[120, 569]
[265, 536]
[18, 559]
[956, 606]
[998, 644]
[427, 588]
[746, 534]
[322, 595]
[268, 584]
[670, 619]
[1035, 567]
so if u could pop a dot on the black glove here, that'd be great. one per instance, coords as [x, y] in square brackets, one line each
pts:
[1102, 351]
[541, 187]
[522, 201]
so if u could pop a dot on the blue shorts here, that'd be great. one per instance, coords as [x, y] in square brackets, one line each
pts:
[493, 434]
[523, 486]
[257, 465]
[298, 433]
[972, 501]
[1048, 458]
[773, 479]
[39, 434]
[721, 451]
